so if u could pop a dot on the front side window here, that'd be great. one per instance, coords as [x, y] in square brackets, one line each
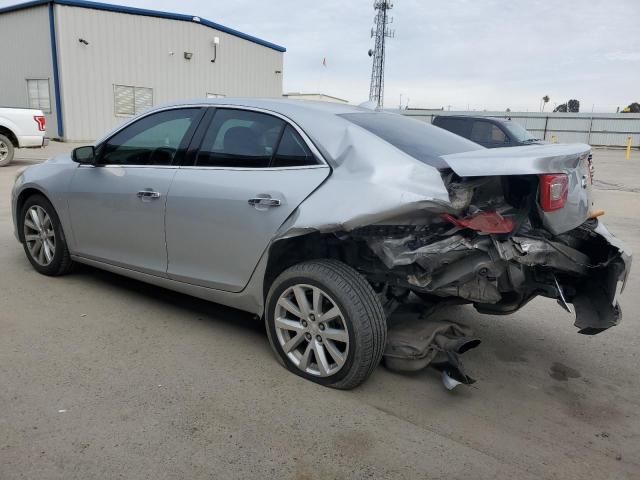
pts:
[152, 140]
[129, 101]
[38, 93]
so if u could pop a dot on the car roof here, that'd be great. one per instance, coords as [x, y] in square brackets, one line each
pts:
[309, 114]
[326, 124]
[279, 105]
[321, 121]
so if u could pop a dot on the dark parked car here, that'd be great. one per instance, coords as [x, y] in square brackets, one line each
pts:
[490, 132]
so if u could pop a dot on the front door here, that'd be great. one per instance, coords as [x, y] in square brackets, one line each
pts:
[117, 207]
[251, 172]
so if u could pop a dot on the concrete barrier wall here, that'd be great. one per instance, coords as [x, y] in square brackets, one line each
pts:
[599, 129]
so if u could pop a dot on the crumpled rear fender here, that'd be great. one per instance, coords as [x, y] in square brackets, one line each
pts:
[360, 192]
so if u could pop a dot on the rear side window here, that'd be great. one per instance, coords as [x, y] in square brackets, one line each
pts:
[487, 133]
[292, 151]
[459, 126]
[422, 141]
[240, 138]
[246, 139]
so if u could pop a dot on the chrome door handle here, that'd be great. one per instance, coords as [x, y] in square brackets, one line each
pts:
[265, 202]
[148, 194]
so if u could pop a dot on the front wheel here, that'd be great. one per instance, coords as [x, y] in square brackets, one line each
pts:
[43, 238]
[325, 323]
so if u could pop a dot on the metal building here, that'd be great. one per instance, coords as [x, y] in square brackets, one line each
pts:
[89, 66]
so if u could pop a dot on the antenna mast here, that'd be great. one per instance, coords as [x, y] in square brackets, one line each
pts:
[381, 32]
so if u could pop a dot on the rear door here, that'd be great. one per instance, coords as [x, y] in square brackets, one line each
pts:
[250, 171]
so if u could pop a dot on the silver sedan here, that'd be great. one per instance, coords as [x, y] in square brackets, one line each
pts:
[317, 217]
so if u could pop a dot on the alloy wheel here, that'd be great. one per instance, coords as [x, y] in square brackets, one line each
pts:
[4, 151]
[39, 235]
[311, 330]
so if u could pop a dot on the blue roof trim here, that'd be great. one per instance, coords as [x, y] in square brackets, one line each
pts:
[147, 13]
[22, 6]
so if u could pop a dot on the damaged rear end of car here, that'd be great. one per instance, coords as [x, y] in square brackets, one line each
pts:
[417, 209]
[430, 219]
[530, 232]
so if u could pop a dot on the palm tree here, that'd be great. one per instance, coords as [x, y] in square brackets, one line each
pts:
[544, 102]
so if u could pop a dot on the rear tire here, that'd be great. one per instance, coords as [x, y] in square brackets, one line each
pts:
[6, 151]
[42, 237]
[325, 323]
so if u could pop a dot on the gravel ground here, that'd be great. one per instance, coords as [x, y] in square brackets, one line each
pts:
[103, 377]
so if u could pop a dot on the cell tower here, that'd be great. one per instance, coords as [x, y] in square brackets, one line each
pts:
[381, 32]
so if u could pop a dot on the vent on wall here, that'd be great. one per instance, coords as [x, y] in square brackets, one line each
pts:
[129, 100]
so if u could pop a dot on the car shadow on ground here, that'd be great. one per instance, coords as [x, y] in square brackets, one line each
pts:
[192, 306]
[24, 162]
[513, 347]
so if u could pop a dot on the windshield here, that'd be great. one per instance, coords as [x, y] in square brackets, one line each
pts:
[422, 141]
[519, 132]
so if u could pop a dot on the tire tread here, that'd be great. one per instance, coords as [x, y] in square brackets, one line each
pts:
[368, 309]
[65, 264]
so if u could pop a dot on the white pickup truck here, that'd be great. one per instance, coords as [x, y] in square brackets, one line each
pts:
[20, 128]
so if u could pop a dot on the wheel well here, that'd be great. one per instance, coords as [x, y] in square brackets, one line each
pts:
[289, 251]
[10, 135]
[22, 198]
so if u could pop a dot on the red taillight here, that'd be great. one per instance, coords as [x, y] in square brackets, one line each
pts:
[41, 121]
[554, 188]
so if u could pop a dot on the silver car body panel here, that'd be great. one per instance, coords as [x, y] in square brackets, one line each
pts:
[109, 222]
[363, 191]
[214, 238]
[369, 182]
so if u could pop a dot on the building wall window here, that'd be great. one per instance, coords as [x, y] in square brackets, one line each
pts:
[38, 93]
[130, 100]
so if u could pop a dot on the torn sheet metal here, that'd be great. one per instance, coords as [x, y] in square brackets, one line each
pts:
[395, 252]
[531, 252]
[361, 191]
[597, 297]
[415, 342]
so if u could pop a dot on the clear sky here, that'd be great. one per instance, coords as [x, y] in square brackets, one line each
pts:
[485, 54]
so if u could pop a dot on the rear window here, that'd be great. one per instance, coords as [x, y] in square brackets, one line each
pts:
[422, 141]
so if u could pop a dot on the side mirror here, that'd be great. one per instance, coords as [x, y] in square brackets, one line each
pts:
[84, 155]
